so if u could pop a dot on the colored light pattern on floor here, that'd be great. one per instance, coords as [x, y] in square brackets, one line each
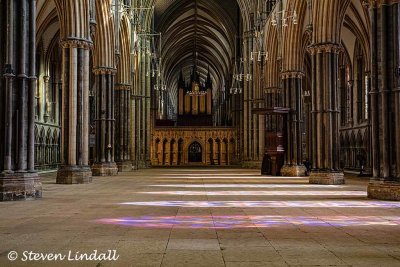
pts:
[230, 222]
[228, 176]
[238, 181]
[215, 175]
[310, 186]
[268, 204]
[255, 178]
[259, 193]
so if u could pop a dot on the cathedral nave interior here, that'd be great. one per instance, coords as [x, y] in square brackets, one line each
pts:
[213, 123]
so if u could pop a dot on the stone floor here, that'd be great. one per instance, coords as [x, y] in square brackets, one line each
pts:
[203, 217]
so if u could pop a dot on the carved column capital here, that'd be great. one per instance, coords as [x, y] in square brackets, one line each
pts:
[76, 43]
[249, 34]
[378, 3]
[104, 71]
[8, 71]
[9, 76]
[122, 87]
[325, 48]
[292, 74]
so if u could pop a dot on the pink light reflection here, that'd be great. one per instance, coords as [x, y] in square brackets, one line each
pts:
[226, 176]
[212, 174]
[248, 186]
[268, 204]
[230, 222]
[258, 193]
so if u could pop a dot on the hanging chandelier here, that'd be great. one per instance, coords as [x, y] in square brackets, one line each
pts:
[143, 42]
[259, 56]
[239, 74]
[160, 86]
[154, 53]
[264, 8]
[241, 65]
[135, 13]
[282, 17]
[237, 78]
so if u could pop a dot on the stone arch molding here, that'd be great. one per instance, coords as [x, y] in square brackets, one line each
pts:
[74, 23]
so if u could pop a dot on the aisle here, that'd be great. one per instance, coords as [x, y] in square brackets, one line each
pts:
[207, 217]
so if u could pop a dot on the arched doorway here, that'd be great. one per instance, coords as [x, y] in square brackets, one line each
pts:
[195, 153]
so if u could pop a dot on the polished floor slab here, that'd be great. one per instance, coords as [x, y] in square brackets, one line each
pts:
[202, 217]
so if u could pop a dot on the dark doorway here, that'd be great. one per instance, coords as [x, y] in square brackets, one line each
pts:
[195, 152]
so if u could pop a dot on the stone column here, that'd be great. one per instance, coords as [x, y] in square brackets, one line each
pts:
[135, 128]
[176, 153]
[172, 152]
[246, 144]
[75, 113]
[308, 125]
[122, 127]
[216, 153]
[261, 134]
[209, 152]
[18, 179]
[223, 153]
[161, 153]
[134, 115]
[228, 153]
[140, 110]
[325, 115]
[385, 101]
[292, 86]
[167, 153]
[105, 123]
[58, 103]
[147, 112]
[47, 105]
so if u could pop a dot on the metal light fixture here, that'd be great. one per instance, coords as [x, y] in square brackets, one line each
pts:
[259, 56]
[237, 79]
[160, 87]
[262, 13]
[239, 74]
[284, 16]
[135, 14]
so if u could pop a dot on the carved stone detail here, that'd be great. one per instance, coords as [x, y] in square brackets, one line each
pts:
[221, 151]
[292, 74]
[325, 48]
[76, 43]
[104, 71]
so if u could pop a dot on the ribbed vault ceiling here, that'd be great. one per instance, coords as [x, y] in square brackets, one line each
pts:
[205, 26]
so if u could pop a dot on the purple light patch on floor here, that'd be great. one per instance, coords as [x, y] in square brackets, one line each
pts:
[231, 222]
[308, 186]
[259, 193]
[268, 204]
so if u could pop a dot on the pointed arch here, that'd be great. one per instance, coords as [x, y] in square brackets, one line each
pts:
[104, 48]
